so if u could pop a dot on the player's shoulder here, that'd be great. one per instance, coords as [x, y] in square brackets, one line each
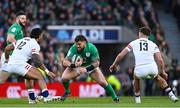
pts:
[134, 41]
[151, 42]
[73, 46]
[90, 45]
[14, 27]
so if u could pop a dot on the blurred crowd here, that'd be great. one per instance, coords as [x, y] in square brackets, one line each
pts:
[176, 8]
[130, 13]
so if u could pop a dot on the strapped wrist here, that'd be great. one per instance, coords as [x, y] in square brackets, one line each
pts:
[72, 65]
[90, 68]
[46, 70]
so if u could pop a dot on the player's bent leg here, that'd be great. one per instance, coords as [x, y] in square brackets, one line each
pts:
[31, 93]
[137, 88]
[33, 73]
[98, 76]
[163, 85]
[67, 75]
[3, 76]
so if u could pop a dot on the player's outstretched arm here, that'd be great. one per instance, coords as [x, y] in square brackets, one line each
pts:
[119, 57]
[8, 50]
[38, 63]
[160, 62]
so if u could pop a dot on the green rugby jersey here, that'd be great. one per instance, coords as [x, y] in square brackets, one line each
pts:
[17, 31]
[89, 53]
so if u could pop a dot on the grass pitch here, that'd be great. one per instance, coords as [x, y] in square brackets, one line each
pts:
[125, 102]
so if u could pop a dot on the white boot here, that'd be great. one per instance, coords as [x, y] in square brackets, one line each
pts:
[48, 99]
[172, 97]
[138, 99]
[32, 101]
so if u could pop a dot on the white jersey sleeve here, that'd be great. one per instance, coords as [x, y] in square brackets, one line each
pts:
[35, 48]
[129, 46]
[156, 49]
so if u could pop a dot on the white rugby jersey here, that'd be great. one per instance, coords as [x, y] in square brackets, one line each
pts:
[24, 48]
[143, 50]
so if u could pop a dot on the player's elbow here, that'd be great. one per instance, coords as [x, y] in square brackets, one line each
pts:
[96, 63]
[36, 60]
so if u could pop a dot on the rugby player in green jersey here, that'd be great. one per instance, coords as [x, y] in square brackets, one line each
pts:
[83, 57]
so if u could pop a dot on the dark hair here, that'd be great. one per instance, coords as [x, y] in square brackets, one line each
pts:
[35, 33]
[145, 30]
[80, 38]
[20, 13]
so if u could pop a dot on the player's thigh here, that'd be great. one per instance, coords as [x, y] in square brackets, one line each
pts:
[3, 76]
[69, 73]
[98, 76]
[33, 73]
[3, 59]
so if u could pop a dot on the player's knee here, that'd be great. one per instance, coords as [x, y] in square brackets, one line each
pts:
[103, 83]
[64, 79]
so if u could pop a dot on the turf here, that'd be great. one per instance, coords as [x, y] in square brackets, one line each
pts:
[125, 102]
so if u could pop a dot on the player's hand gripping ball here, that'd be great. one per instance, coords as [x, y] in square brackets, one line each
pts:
[77, 60]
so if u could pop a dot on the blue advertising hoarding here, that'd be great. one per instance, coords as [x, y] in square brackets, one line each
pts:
[95, 34]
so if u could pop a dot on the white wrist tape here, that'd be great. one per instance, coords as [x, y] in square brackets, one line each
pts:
[46, 70]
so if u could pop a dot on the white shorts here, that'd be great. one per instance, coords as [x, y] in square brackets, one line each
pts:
[3, 59]
[20, 69]
[146, 71]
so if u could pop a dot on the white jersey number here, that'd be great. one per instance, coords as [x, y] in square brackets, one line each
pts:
[21, 45]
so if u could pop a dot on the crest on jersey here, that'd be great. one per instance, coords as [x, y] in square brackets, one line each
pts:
[87, 54]
[13, 29]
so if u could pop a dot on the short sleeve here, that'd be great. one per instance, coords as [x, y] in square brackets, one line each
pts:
[95, 53]
[13, 30]
[129, 47]
[156, 49]
[35, 48]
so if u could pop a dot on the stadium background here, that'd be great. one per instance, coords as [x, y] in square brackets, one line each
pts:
[162, 16]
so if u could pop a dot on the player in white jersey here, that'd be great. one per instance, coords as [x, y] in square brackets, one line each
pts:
[144, 51]
[23, 50]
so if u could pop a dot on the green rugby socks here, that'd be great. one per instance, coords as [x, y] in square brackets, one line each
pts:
[66, 86]
[110, 91]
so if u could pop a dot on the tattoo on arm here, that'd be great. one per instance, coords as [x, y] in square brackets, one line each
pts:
[37, 61]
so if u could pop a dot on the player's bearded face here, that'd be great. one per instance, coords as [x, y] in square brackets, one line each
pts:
[80, 45]
[22, 20]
